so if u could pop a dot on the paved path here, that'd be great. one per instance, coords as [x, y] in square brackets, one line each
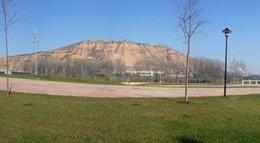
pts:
[89, 90]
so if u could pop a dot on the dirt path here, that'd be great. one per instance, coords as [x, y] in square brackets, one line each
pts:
[88, 90]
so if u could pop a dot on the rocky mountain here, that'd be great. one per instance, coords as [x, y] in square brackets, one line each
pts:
[128, 52]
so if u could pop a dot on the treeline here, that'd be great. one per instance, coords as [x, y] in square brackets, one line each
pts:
[202, 70]
[76, 68]
[212, 70]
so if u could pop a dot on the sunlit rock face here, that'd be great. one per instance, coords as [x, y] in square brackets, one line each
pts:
[128, 52]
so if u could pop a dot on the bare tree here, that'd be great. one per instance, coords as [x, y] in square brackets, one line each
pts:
[189, 21]
[9, 18]
[207, 70]
[119, 68]
[175, 68]
[237, 69]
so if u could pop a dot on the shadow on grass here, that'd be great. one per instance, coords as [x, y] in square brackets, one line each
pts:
[169, 99]
[178, 101]
[185, 139]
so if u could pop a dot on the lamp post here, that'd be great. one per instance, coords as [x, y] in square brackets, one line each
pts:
[226, 32]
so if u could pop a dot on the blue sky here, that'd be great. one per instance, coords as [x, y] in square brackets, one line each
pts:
[63, 22]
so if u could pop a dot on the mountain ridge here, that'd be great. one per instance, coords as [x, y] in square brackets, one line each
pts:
[128, 52]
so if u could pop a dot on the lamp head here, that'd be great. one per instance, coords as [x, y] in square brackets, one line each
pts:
[227, 32]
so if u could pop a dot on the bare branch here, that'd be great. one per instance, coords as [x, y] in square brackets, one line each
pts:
[8, 10]
[188, 17]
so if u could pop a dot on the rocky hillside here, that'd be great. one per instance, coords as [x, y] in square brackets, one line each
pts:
[128, 52]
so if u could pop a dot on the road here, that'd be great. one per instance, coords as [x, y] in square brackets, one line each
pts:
[113, 91]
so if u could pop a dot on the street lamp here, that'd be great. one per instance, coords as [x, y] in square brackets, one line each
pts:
[227, 32]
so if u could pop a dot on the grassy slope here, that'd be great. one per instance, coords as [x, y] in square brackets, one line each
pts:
[66, 79]
[26, 118]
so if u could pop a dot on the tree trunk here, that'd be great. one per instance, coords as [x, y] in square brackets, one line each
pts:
[187, 73]
[7, 65]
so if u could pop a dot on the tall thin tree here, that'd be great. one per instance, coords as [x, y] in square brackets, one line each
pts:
[35, 41]
[189, 21]
[9, 14]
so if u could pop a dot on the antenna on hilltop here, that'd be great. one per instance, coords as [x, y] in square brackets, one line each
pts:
[35, 41]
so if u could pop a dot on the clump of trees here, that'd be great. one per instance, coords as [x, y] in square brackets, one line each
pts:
[202, 70]
[237, 70]
[77, 68]
[205, 70]
[160, 70]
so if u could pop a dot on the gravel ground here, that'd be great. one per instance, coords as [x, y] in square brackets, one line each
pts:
[89, 90]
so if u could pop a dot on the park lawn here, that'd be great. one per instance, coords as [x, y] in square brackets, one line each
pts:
[66, 79]
[31, 118]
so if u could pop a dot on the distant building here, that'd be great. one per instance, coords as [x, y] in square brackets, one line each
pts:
[253, 77]
[9, 73]
[145, 73]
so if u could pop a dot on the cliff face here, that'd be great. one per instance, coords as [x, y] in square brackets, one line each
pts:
[128, 52]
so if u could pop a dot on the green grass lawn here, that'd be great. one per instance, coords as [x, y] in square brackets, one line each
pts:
[66, 79]
[29, 118]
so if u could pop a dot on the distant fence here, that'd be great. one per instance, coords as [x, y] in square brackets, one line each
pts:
[250, 82]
